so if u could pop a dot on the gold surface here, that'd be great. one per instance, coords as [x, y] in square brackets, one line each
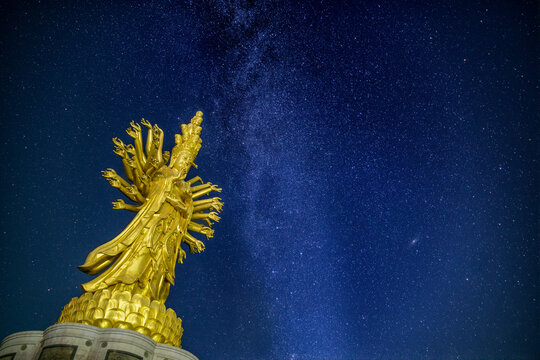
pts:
[137, 266]
[117, 308]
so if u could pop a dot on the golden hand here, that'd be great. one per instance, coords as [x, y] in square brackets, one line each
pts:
[216, 204]
[213, 216]
[118, 142]
[146, 124]
[196, 246]
[119, 204]
[208, 232]
[181, 255]
[120, 151]
[114, 182]
[109, 173]
[130, 149]
[215, 188]
[134, 131]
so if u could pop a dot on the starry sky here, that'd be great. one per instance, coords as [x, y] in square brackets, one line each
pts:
[378, 161]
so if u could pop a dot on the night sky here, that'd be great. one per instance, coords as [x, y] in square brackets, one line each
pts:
[378, 162]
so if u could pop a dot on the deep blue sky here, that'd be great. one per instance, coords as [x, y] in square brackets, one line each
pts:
[378, 165]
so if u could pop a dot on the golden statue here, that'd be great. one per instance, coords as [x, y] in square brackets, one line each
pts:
[137, 267]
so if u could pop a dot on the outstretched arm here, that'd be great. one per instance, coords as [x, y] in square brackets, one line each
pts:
[110, 173]
[130, 191]
[136, 166]
[206, 191]
[135, 132]
[200, 187]
[208, 232]
[120, 204]
[206, 217]
[135, 192]
[155, 156]
[206, 201]
[120, 150]
[194, 180]
[158, 142]
[194, 244]
[126, 188]
[148, 127]
[211, 204]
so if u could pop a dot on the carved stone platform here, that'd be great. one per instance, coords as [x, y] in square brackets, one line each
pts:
[70, 341]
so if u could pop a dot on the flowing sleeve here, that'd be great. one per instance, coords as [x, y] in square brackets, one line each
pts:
[101, 257]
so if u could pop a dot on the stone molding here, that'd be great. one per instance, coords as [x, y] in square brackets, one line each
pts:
[90, 342]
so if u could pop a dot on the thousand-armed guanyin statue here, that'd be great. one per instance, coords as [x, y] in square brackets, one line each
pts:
[136, 268]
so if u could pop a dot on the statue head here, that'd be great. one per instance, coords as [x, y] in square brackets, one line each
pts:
[187, 145]
[197, 119]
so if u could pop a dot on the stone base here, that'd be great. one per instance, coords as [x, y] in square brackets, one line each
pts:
[70, 341]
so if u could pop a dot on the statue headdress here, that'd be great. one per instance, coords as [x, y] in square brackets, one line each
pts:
[189, 143]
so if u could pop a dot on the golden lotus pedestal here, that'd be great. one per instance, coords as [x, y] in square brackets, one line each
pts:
[120, 309]
[70, 341]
